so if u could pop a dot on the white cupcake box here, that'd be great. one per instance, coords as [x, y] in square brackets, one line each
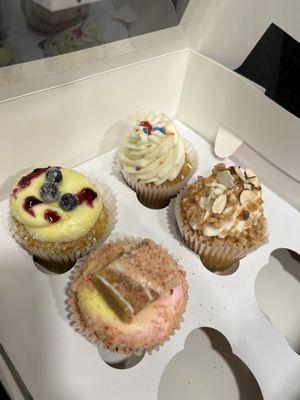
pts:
[251, 307]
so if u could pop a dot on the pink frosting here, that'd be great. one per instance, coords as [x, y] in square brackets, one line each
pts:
[151, 325]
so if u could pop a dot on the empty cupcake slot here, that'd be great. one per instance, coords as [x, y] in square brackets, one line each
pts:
[51, 268]
[277, 290]
[207, 369]
[152, 204]
[228, 271]
[120, 361]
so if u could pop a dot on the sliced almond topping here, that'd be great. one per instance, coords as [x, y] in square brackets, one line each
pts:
[206, 203]
[219, 167]
[252, 178]
[216, 192]
[225, 178]
[254, 181]
[245, 196]
[219, 204]
[247, 186]
[249, 173]
[240, 173]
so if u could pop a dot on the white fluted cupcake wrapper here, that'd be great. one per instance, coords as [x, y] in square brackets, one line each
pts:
[160, 195]
[214, 257]
[66, 256]
[80, 326]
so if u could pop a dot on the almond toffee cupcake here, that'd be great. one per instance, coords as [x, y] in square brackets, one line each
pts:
[128, 296]
[221, 217]
[155, 161]
[58, 215]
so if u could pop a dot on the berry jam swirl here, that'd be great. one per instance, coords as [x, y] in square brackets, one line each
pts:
[29, 203]
[87, 196]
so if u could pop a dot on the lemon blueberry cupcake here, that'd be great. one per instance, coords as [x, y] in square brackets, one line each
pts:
[128, 296]
[155, 161]
[58, 214]
[221, 217]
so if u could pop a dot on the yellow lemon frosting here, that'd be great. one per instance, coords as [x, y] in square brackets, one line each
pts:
[93, 304]
[71, 224]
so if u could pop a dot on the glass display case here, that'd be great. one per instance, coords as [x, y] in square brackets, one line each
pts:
[35, 29]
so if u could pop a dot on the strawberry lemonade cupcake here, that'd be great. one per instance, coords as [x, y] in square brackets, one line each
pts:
[128, 296]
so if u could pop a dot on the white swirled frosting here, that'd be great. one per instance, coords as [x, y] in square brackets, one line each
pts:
[153, 151]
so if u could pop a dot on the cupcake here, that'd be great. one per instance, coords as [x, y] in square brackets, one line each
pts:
[58, 215]
[46, 21]
[155, 161]
[128, 296]
[221, 217]
[81, 36]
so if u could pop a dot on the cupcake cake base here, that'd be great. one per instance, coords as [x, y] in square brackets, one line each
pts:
[60, 257]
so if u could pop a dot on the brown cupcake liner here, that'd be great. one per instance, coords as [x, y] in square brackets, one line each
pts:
[98, 338]
[215, 257]
[158, 196]
[63, 255]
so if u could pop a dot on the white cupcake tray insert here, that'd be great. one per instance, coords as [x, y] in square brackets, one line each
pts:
[57, 363]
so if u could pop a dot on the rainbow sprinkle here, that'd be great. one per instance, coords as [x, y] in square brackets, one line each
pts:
[170, 133]
[162, 130]
[146, 127]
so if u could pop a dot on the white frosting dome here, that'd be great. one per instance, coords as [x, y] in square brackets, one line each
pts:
[153, 151]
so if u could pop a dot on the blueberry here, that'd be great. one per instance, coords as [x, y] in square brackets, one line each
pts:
[54, 174]
[68, 202]
[49, 192]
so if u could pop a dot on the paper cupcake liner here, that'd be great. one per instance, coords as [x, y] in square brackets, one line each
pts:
[101, 341]
[63, 255]
[159, 196]
[215, 257]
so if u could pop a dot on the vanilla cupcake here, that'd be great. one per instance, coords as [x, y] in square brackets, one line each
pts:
[221, 217]
[128, 296]
[58, 215]
[81, 36]
[155, 161]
